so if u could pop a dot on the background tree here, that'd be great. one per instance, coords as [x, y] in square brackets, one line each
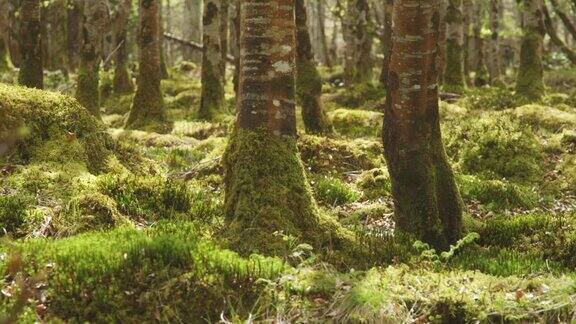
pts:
[148, 105]
[265, 182]
[31, 74]
[454, 69]
[529, 82]
[359, 39]
[494, 57]
[427, 201]
[122, 80]
[212, 79]
[308, 80]
[95, 21]
[4, 59]
[480, 69]
[73, 32]
[386, 40]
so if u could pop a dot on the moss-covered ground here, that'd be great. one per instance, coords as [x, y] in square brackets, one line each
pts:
[102, 224]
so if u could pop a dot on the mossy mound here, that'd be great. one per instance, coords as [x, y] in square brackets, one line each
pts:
[546, 117]
[492, 98]
[326, 155]
[167, 273]
[496, 195]
[357, 123]
[494, 145]
[333, 192]
[365, 95]
[118, 104]
[37, 124]
[561, 79]
[374, 184]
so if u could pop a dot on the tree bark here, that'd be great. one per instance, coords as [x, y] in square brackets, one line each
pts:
[95, 21]
[308, 80]
[163, 69]
[494, 57]
[147, 109]
[323, 39]
[122, 83]
[480, 69]
[427, 201]
[358, 63]
[386, 41]
[265, 183]
[529, 81]
[212, 81]
[193, 18]
[4, 58]
[224, 24]
[73, 33]
[454, 69]
[31, 74]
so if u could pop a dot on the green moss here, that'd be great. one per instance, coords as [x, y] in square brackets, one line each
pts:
[267, 192]
[357, 123]
[187, 100]
[326, 155]
[87, 89]
[13, 213]
[49, 124]
[546, 117]
[168, 273]
[333, 191]
[450, 111]
[118, 104]
[496, 146]
[365, 95]
[309, 91]
[563, 79]
[375, 184]
[490, 98]
[454, 72]
[497, 195]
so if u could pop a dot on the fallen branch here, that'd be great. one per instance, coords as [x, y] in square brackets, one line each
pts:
[194, 45]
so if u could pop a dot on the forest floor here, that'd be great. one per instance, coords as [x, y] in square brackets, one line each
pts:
[104, 224]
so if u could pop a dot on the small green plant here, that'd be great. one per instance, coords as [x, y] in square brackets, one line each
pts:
[429, 254]
[334, 192]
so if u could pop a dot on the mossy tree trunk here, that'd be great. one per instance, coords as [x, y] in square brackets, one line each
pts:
[529, 81]
[31, 74]
[212, 81]
[386, 41]
[308, 80]
[320, 7]
[4, 60]
[454, 69]
[147, 109]
[224, 24]
[466, 24]
[358, 36]
[568, 23]
[122, 82]
[96, 20]
[442, 41]
[555, 39]
[265, 182]
[494, 57]
[427, 201]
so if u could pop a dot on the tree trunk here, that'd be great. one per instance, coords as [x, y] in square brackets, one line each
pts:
[308, 81]
[4, 60]
[454, 69]
[386, 41]
[235, 43]
[427, 201]
[73, 33]
[31, 74]
[529, 81]
[442, 41]
[265, 183]
[212, 81]
[466, 24]
[358, 62]
[163, 69]
[96, 20]
[193, 17]
[481, 72]
[148, 105]
[224, 22]
[122, 83]
[494, 57]
[323, 39]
